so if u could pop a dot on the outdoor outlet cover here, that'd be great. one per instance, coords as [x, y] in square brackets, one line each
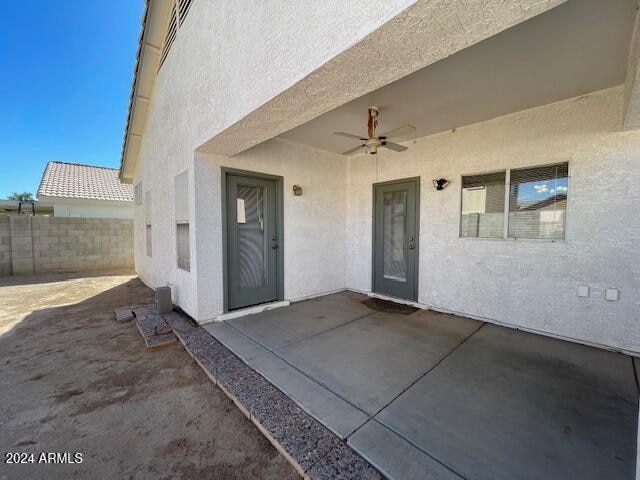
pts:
[583, 291]
[612, 294]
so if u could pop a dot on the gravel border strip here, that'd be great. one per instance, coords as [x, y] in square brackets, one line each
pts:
[311, 448]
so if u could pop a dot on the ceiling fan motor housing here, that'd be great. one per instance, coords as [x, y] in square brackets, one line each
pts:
[372, 145]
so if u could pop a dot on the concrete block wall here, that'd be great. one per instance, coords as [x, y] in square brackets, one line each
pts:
[5, 247]
[60, 244]
[21, 244]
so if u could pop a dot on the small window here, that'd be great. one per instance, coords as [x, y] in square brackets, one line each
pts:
[483, 205]
[138, 193]
[182, 247]
[147, 221]
[148, 240]
[538, 202]
[181, 189]
[147, 208]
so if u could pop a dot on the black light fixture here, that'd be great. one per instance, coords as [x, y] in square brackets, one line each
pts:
[440, 183]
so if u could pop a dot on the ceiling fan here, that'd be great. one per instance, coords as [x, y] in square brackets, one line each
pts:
[373, 142]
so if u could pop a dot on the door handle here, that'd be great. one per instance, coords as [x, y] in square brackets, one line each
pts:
[411, 243]
[274, 245]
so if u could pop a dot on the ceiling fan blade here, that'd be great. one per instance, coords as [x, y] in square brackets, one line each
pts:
[394, 146]
[353, 150]
[400, 131]
[349, 135]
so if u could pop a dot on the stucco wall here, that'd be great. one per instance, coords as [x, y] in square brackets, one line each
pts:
[530, 284]
[227, 60]
[314, 223]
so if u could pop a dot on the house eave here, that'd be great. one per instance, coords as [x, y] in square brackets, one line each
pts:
[154, 20]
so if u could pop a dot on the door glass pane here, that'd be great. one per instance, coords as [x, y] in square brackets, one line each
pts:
[394, 205]
[252, 268]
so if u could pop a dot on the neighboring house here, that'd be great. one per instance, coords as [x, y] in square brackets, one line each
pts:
[530, 109]
[76, 190]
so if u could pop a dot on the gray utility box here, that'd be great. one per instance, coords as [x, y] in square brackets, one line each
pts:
[163, 300]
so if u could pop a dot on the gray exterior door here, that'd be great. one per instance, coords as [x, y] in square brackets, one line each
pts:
[252, 240]
[395, 238]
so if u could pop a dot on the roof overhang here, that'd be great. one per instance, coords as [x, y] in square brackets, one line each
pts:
[154, 23]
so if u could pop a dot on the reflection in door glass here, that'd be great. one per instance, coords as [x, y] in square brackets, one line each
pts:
[252, 269]
[394, 231]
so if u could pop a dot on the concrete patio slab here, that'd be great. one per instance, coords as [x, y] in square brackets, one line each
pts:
[428, 395]
[514, 405]
[370, 361]
[276, 328]
[395, 457]
[235, 340]
[332, 411]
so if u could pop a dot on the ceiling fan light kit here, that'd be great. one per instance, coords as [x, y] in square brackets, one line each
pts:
[373, 142]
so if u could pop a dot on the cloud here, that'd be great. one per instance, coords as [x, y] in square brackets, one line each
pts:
[542, 188]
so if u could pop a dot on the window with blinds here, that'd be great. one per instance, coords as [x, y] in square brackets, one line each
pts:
[182, 220]
[147, 222]
[538, 202]
[483, 205]
[137, 193]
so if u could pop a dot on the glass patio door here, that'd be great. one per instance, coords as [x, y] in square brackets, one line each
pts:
[395, 239]
[252, 241]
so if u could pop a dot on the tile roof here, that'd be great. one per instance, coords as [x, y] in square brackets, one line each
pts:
[71, 180]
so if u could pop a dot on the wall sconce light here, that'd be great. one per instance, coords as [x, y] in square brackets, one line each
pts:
[297, 190]
[440, 183]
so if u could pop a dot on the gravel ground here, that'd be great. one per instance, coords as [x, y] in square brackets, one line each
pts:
[73, 380]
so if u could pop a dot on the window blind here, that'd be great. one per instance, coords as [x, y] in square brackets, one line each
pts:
[147, 207]
[182, 197]
[538, 202]
[182, 246]
[138, 193]
[148, 240]
[483, 205]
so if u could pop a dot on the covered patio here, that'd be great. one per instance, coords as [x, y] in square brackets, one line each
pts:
[431, 395]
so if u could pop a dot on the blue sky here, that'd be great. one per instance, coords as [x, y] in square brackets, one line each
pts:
[65, 74]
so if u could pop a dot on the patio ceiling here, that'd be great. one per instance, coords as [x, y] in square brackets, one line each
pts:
[571, 50]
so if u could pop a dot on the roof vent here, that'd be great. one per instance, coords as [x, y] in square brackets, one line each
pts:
[183, 9]
[172, 31]
[179, 11]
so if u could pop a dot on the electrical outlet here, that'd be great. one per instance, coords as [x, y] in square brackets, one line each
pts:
[612, 294]
[583, 291]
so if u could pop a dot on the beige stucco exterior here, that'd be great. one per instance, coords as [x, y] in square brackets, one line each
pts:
[221, 91]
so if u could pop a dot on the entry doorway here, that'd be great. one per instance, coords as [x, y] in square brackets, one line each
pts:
[253, 236]
[395, 238]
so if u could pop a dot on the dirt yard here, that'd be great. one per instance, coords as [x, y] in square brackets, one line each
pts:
[73, 380]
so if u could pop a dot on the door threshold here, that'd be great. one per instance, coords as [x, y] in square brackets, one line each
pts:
[251, 310]
[403, 301]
